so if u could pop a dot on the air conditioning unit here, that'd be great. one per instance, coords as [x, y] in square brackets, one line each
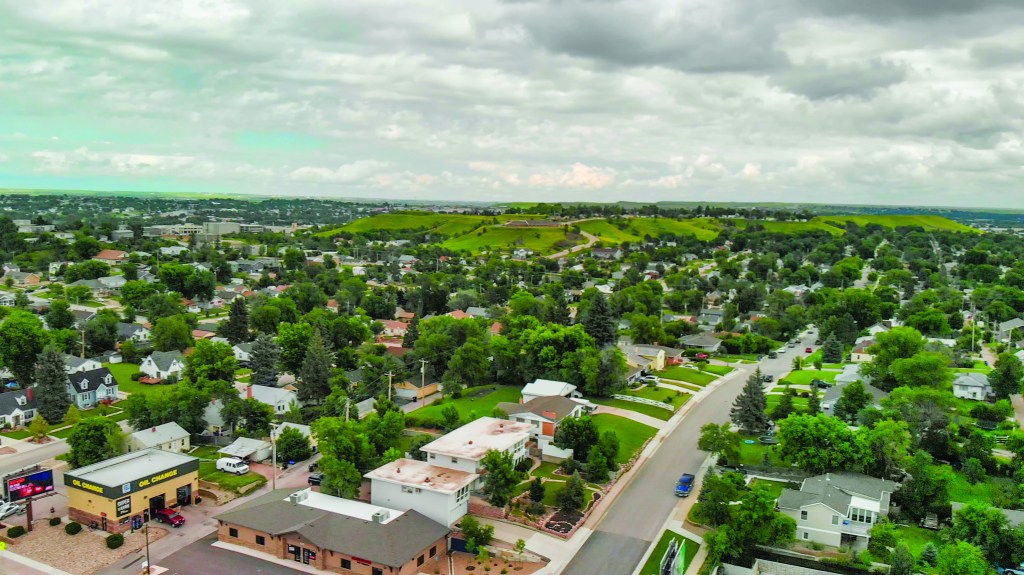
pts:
[380, 516]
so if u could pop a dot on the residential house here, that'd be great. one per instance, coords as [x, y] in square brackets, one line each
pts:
[394, 328]
[860, 352]
[111, 257]
[459, 314]
[476, 311]
[303, 429]
[278, 398]
[112, 283]
[545, 414]
[708, 318]
[411, 391]
[74, 364]
[242, 351]
[837, 509]
[440, 493]
[249, 449]
[972, 386]
[87, 388]
[8, 299]
[548, 388]
[160, 365]
[337, 535]
[850, 374]
[1007, 329]
[132, 331]
[607, 253]
[82, 316]
[17, 407]
[465, 447]
[646, 357]
[166, 437]
[23, 278]
[702, 341]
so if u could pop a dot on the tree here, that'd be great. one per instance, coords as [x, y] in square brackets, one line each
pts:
[748, 410]
[236, 329]
[987, 528]
[1006, 377]
[450, 417]
[889, 346]
[853, 399]
[926, 488]
[73, 416]
[888, 445]
[572, 495]
[94, 439]
[578, 434]
[51, 385]
[412, 333]
[59, 315]
[974, 471]
[265, 355]
[537, 490]
[819, 443]
[785, 406]
[962, 558]
[754, 522]
[171, 333]
[798, 363]
[211, 361]
[316, 371]
[884, 535]
[469, 365]
[599, 321]
[293, 339]
[292, 446]
[927, 368]
[717, 493]
[472, 529]
[23, 340]
[597, 465]
[814, 402]
[609, 444]
[720, 439]
[38, 428]
[501, 478]
[930, 554]
[901, 562]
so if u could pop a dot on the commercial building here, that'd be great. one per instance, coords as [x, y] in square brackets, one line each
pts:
[113, 492]
[440, 493]
[335, 534]
[463, 448]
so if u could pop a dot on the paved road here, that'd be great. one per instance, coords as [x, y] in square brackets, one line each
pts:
[22, 459]
[200, 558]
[635, 518]
[591, 240]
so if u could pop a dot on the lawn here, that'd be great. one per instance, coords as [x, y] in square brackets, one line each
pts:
[718, 369]
[681, 385]
[656, 412]
[798, 402]
[206, 452]
[753, 454]
[607, 232]
[704, 229]
[442, 224]
[804, 376]
[917, 537]
[775, 487]
[122, 372]
[632, 435]
[17, 434]
[653, 564]
[540, 240]
[227, 481]
[477, 399]
[688, 375]
[962, 491]
[737, 357]
[677, 399]
[553, 488]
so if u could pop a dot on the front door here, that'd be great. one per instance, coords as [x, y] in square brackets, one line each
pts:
[156, 502]
[184, 495]
[308, 555]
[295, 552]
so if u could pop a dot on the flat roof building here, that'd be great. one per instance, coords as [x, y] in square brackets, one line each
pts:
[440, 493]
[463, 448]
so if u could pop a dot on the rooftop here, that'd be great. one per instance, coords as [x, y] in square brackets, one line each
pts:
[160, 434]
[476, 438]
[423, 475]
[346, 507]
[548, 387]
[130, 467]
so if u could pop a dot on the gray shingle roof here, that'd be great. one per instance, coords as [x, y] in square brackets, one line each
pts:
[163, 359]
[9, 402]
[836, 490]
[560, 406]
[91, 380]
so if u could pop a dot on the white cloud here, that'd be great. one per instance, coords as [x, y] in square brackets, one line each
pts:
[346, 173]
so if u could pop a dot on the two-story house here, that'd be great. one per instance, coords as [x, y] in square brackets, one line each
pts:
[17, 408]
[837, 508]
[972, 386]
[276, 397]
[242, 351]
[163, 364]
[545, 414]
[548, 388]
[440, 493]
[74, 364]
[87, 388]
[132, 331]
[463, 448]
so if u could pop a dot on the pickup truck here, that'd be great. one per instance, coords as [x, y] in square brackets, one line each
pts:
[232, 465]
[684, 485]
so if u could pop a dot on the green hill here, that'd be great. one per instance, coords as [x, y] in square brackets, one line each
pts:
[442, 224]
[502, 238]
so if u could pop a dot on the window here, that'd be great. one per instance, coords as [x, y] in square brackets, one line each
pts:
[805, 535]
[803, 515]
[455, 460]
[407, 489]
[260, 540]
[419, 561]
[835, 520]
[376, 571]
[433, 551]
[232, 532]
[346, 564]
[84, 397]
[433, 456]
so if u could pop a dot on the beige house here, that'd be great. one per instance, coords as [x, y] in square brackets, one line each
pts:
[166, 437]
[837, 508]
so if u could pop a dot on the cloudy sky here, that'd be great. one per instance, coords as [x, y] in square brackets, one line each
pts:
[913, 102]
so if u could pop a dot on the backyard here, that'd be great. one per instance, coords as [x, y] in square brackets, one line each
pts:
[651, 410]
[479, 400]
[227, 481]
[804, 376]
[122, 372]
[688, 375]
[774, 487]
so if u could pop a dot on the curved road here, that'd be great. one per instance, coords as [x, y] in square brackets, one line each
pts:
[636, 517]
[591, 240]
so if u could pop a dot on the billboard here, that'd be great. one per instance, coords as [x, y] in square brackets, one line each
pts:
[31, 485]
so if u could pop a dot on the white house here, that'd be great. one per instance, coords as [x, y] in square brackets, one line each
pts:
[248, 448]
[163, 364]
[74, 364]
[166, 437]
[463, 448]
[279, 399]
[132, 331]
[17, 407]
[972, 386]
[440, 493]
[87, 388]
[303, 429]
[860, 352]
[544, 414]
[837, 508]
[548, 388]
[242, 351]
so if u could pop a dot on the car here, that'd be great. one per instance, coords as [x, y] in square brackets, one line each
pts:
[808, 350]
[772, 355]
[649, 378]
[315, 478]
[817, 342]
[7, 509]
[820, 384]
[791, 344]
[232, 465]
[685, 485]
[768, 378]
[691, 366]
[702, 356]
[169, 516]
[733, 468]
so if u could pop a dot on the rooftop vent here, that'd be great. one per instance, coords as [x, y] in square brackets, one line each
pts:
[299, 496]
[380, 516]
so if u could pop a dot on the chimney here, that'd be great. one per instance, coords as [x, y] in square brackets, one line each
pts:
[471, 442]
[28, 393]
[248, 392]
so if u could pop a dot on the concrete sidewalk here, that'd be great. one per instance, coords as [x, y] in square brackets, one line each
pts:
[630, 414]
[14, 564]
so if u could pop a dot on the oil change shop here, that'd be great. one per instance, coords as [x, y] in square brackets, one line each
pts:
[124, 491]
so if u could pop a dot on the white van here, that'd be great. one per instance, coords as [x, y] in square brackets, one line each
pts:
[232, 465]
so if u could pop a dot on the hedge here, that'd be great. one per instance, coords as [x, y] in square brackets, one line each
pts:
[16, 531]
[72, 528]
[55, 521]
[115, 540]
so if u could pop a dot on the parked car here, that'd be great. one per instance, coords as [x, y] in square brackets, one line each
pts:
[791, 344]
[702, 356]
[685, 485]
[733, 468]
[772, 355]
[232, 465]
[7, 509]
[650, 378]
[169, 516]
[820, 383]
[316, 478]
[768, 378]
[691, 366]
[808, 350]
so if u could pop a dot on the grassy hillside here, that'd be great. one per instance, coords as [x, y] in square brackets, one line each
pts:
[937, 223]
[443, 224]
[501, 238]
[637, 228]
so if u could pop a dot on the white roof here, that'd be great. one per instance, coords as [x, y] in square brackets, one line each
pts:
[422, 475]
[547, 387]
[348, 507]
[160, 434]
[130, 466]
[244, 447]
[476, 438]
[270, 395]
[303, 429]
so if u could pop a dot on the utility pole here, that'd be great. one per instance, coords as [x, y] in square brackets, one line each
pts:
[83, 342]
[348, 402]
[273, 457]
[145, 529]
[390, 375]
[423, 372]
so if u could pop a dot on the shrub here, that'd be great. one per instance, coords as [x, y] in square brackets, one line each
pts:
[524, 465]
[16, 531]
[457, 394]
[73, 528]
[55, 521]
[136, 376]
[536, 508]
[115, 540]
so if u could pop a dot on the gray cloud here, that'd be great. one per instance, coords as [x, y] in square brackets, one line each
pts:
[820, 80]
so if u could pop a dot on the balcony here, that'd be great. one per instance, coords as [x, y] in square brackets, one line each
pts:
[848, 527]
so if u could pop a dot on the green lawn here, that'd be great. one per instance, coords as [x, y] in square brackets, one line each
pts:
[476, 399]
[775, 487]
[675, 398]
[503, 238]
[917, 537]
[632, 435]
[227, 481]
[804, 376]
[753, 454]
[798, 402]
[122, 372]
[663, 414]
[17, 434]
[737, 357]
[718, 369]
[962, 491]
[553, 488]
[653, 564]
[688, 375]
[206, 452]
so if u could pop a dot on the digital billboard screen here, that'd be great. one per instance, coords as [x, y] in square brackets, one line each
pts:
[25, 486]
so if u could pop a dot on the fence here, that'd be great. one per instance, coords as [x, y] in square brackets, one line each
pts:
[645, 401]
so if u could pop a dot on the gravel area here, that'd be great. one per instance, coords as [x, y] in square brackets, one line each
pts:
[80, 554]
[466, 564]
